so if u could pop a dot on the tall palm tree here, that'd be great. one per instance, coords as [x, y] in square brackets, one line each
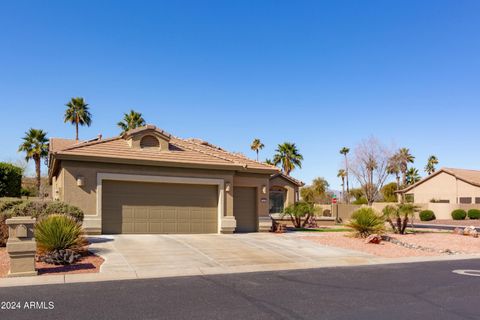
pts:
[342, 174]
[345, 151]
[394, 168]
[288, 156]
[404, 158]
[35, 145]
[269, 161]
[256, 146]
[77, 113]
[131, 121]
[412, 176]
[430, 167]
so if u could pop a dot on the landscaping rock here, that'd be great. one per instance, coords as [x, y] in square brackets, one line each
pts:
[373, 238]
[458, 231]
[469, 230]
[474, 233]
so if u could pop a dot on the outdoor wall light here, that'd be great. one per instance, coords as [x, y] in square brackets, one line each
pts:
[80, 181]
[227, 187]
[264, 189]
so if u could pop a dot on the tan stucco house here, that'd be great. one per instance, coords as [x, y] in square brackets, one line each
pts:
[148, 181]
[448, 185]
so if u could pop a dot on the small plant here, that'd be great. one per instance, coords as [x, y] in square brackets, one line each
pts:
[61, 257]
[427, 215]
[297, 211]
[365, 221]
[459, 214]
[473, 214]
[56, 233]
[398, 216]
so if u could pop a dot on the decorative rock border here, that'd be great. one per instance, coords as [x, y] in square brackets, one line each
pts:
[418, 247]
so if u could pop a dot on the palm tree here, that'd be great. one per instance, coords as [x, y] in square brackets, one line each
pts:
[394, 168]
[131, 121]
[430, 167]
[412, 176]
[404, 158]
[35, 145]
[342, 174]
[77, 113]
[345, 151]
[269, 161]
[256, 146]
[288, 156]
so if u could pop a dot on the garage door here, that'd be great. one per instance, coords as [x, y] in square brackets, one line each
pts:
[138, 207]
[245, 208]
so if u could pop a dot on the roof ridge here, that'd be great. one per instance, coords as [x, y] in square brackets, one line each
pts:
[208, 153]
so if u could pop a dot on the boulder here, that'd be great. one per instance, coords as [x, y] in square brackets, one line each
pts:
[469, 230]
[474, 233]
[458, 231]
[373, 238]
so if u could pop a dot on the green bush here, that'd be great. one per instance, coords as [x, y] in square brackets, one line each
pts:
[473, 214]
[427, 215]
[36, 209]
[299, 210]
[365, 221]
[59, 232]
[459, 214]
[10, 180]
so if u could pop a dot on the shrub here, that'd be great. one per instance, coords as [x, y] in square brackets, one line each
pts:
[427, 215]
[473, 214]
[36, 209]
[399, 215]
[10, 180]
[297, 211]
[59, 232]
[365, 222]
[459, 214]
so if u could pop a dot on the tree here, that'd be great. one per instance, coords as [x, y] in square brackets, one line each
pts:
[299, 210]
[131, 121]
[269, 161]
[412, 176]
[308, 194]
[388, 192]
[345, 151]
[394, 168]
[316, 192]
[369, 167]
[431, 162]
[342, 174]
[35, 145]
[288, 156]
[398, 216]
[256, 146]
[77, 113]
[357, 193]
[404, 157]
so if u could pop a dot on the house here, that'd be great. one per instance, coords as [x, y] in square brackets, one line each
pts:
[148, 181]
[448, 185]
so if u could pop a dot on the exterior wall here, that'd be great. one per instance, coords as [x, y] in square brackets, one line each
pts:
[85, 197]
[444, 187]
[291, 189]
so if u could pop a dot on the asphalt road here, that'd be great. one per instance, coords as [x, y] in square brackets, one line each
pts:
[402, 291]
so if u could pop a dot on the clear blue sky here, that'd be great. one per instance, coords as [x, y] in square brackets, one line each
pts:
[320, 74]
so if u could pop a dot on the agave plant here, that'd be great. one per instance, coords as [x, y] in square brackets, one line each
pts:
[365, 221]
[59, 232]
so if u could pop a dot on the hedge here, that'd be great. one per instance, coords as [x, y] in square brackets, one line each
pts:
[10, 180]
[459, 214]
[427, 215]
[36, 209]
[473, 214]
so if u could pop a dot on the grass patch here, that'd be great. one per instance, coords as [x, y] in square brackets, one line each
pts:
[324, 230]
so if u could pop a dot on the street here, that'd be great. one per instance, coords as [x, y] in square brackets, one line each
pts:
[401, 291]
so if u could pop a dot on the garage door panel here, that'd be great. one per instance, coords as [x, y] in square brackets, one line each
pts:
[132, 207]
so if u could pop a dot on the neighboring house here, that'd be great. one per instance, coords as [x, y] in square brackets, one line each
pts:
[448, 185]
[284, 190]
[148, 181]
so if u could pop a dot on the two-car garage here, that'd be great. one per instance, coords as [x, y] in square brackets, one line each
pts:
[151, 208]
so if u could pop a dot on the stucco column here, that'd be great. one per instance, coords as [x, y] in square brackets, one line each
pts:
[21, 246]
[228, 223]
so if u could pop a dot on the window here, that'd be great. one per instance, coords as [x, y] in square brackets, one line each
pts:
[465, 200]
[149, 142]
[443, 201]
[477, 200]
[277, 200]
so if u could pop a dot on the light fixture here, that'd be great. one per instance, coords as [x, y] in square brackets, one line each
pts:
[80, 181]
[264, 189]
[227, 187]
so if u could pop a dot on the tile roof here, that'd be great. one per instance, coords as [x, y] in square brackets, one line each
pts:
[57, 144]
[186, 151]
[466, 175]
[289, 178]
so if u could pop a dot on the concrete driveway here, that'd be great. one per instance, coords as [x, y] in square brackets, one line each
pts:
[172, 255]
